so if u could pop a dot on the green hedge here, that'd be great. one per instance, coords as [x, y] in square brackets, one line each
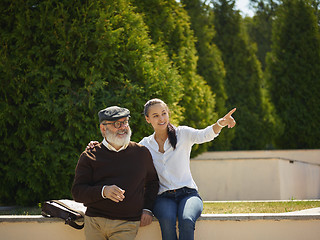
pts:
[169, 25]
[61, 62]
[293, 68]
[257, 123]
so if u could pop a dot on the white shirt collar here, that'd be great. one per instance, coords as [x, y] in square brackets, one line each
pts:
[111, 148]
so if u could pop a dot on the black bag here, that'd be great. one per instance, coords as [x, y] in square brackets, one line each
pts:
[68, 210]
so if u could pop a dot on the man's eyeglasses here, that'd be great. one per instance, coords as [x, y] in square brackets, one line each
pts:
[118, 124]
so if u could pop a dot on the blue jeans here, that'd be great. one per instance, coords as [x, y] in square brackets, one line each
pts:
[184, 203]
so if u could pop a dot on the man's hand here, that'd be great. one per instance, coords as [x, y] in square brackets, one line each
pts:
[146, 218]
[114, 193]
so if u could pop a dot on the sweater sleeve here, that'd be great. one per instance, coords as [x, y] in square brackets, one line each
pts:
[82, 189]
[151, 183]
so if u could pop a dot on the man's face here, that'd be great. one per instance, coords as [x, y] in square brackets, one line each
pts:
[116, 136]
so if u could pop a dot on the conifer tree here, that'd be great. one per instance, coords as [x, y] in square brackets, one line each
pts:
[243, 83]
[293, 68]
[169, 26]
[316, 5]
[60, 63]
[259, 27]
[210, 65]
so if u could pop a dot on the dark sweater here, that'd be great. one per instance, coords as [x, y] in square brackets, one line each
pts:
[131, 169]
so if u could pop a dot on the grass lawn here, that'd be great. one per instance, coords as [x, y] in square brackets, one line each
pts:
[258, 207]
[211, 207]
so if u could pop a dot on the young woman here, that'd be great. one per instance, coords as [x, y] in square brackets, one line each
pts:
[170, 148]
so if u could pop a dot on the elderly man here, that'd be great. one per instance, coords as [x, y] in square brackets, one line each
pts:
[116, 181]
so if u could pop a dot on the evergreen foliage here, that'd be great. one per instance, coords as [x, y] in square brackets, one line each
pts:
[210, 65]
[259, 27]
[316, 5]
[60, 63]
[169, 26]
[244, 82]
[293, 74]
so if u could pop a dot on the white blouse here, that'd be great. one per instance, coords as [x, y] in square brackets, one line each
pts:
[173, 166]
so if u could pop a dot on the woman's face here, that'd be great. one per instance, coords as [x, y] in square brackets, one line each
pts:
[158, 116]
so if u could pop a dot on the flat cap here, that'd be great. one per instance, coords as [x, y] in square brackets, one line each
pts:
[113, 113]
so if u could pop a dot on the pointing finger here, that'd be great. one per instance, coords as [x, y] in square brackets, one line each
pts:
[231, 112]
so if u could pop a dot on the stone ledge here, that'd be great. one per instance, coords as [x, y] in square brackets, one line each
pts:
[299, 155]
[204, 217]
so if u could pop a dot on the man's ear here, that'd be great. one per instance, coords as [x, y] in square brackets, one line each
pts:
[102, 127]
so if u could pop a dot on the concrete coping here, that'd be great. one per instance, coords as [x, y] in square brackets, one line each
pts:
[310, 214]
[307, 214]
[309, 156]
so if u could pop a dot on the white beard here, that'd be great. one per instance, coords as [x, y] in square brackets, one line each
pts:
[113, 138]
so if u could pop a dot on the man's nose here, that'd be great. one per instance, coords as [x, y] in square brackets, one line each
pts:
[123, 126]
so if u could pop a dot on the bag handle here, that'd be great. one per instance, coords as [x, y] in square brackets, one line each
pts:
[72, 223]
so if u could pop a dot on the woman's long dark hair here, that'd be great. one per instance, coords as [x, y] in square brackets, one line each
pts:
[171, 130]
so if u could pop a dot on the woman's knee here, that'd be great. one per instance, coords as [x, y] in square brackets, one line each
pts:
[190, 209]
